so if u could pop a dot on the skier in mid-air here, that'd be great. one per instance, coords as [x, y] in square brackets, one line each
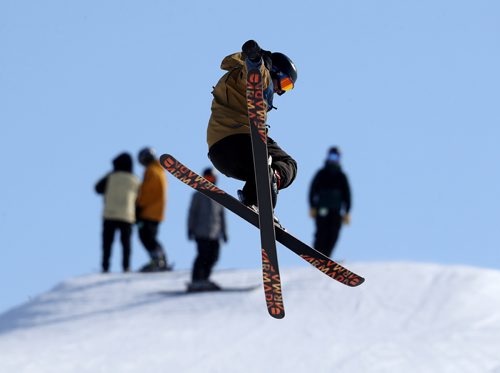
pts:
[228, 132]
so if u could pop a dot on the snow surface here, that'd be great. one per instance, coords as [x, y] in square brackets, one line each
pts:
[407, 317]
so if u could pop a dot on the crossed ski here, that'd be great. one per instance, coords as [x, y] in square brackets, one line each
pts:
[257, 120]
[321, 262]
[264, 219]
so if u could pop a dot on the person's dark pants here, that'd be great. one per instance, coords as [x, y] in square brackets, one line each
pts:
[327, 232]
[148, 231]
[108, 234]
[234, 158]
[208, 254]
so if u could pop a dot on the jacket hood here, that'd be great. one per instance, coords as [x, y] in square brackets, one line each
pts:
[123, 162]
[232, 61]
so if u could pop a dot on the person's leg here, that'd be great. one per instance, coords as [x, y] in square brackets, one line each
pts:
[321, 237]
[283, 163]
[336, 224]
[327, 232]
[199, 267]
[212, 256]
[233, 157]
[147, 234]
[108, 232]
[125, 235]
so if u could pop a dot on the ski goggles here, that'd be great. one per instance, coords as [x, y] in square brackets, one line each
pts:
[285, 83]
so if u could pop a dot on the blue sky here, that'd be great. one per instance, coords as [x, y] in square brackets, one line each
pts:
[409, 90]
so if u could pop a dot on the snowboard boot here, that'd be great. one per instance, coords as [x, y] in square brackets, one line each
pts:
[203, 285]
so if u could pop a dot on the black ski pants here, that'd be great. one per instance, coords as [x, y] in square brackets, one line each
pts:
[148, 232]
[327, 232]
[108, 234]
[234, 158]
[208, 254]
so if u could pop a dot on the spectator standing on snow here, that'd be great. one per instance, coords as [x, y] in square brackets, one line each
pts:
[207, 226]
[330, 202]
[151, 204]
[120, 189]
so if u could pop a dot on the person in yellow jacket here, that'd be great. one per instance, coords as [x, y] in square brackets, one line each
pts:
[150, 210]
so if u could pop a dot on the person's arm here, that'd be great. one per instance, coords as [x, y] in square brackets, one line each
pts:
[100, 187]
[346, 194]
[346, 200]
[312, 196]
[259, 58]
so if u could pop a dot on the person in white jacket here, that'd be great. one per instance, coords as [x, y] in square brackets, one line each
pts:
[120, 188]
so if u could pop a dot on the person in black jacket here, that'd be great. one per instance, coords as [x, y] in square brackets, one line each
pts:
[330, 202]
[206, 225]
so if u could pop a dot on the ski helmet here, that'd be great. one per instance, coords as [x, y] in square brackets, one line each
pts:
[283, 64]
[146, 156]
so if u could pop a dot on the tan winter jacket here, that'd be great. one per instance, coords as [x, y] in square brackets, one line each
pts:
[120, 196]
[229, 106]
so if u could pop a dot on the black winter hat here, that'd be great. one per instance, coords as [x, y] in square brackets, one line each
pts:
[333, 154]
[208, 172]
[334, 149]
[123, 162]
[146, 156]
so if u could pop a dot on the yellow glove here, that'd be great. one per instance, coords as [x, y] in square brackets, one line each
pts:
[346, 219]
[313, 212]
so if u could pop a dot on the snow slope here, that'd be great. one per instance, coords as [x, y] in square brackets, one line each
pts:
[407, 317]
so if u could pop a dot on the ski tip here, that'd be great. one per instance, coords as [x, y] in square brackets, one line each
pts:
[166, 160]
[276, 313]
[165, 156]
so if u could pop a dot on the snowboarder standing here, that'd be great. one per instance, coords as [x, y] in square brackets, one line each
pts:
[330, 202]
[228, 132]
[151, 209]
[120, 189]
[207, 226]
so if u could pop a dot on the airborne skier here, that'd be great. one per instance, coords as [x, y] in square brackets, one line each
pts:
[240, 148]
[228, 133]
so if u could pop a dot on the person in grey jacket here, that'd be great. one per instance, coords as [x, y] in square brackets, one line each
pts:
[207, 226]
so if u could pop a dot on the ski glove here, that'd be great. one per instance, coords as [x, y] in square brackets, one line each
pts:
[313, 212]
[254, 53]
[251, 50]
[346, 219]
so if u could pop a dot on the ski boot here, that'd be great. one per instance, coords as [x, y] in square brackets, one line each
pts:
[244, 200]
